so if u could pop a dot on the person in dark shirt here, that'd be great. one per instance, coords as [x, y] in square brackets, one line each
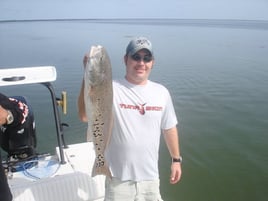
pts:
[13, 114]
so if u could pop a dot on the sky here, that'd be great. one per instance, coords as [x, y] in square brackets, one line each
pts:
[181, 9]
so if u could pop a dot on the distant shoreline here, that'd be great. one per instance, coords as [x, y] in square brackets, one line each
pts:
[226, 23]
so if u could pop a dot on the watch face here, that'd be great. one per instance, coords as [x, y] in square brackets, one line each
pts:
[9, 118]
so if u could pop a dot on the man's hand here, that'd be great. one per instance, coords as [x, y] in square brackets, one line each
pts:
[85, 59]
[175, 175]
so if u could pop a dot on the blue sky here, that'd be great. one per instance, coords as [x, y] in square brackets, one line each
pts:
[184, 9]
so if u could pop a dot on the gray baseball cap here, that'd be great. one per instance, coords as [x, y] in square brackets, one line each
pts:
[138, 44]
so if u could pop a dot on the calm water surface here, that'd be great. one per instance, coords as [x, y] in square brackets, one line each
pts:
[216, 71]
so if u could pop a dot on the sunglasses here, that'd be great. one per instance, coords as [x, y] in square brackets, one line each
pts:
[145, 59]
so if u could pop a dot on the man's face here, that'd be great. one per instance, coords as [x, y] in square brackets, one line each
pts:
[138, 67]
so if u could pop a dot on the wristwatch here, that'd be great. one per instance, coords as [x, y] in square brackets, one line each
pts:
[9, 118]
[177, 160]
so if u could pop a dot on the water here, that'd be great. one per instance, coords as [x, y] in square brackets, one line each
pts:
[216, 71]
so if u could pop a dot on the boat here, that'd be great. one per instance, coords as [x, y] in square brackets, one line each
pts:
[62, 176]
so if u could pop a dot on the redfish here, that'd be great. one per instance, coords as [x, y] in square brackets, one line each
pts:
[98, 97]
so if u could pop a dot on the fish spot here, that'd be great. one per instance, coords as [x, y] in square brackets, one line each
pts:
[99, 160]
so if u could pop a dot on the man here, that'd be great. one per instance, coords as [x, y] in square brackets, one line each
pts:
[6, 119]
[14, 118]
[142, 111]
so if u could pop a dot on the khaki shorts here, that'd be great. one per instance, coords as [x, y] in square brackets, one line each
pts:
[117, 190]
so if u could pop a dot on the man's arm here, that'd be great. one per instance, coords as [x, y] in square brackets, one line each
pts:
[171, 137]
[11, 109]
[3, 115]
[81, 102]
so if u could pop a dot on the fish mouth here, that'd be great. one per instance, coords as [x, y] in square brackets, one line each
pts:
[95, 50]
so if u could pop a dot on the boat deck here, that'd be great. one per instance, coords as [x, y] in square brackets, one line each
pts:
[50, 180]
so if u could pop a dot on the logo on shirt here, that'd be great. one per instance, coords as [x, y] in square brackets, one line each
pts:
[141, 108]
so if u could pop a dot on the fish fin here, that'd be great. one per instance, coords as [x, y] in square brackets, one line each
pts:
[103, 170]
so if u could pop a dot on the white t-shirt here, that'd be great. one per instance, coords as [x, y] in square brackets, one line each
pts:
[141, 112]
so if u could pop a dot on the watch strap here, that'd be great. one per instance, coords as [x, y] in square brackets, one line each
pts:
[177, 160]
